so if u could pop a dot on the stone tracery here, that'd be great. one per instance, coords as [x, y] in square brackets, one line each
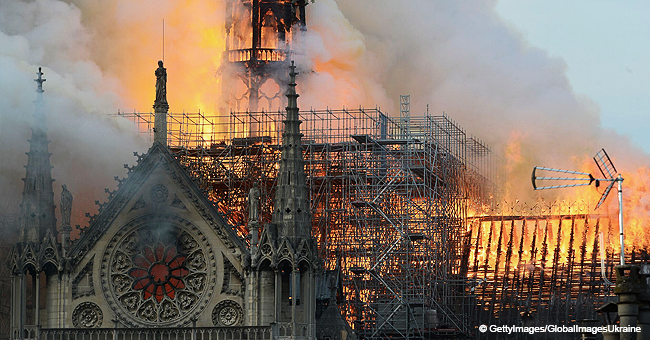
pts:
[87, 315]
[157, 272]
[227, 313]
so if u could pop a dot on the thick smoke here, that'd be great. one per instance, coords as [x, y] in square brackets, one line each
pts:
[460, 58]
[97, 57]
[455, 56]
[87, 145]
[127, 42]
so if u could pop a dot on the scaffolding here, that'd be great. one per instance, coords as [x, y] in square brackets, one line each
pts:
[389, 201]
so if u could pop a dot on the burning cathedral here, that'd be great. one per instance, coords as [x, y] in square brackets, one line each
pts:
[159, 258]
[313, 224]
[319, 224]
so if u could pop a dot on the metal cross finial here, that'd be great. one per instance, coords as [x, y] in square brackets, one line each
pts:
[40, 81]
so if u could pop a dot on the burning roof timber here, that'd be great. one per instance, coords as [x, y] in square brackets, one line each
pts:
[389, 200]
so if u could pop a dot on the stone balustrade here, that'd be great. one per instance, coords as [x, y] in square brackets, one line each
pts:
[189, 333]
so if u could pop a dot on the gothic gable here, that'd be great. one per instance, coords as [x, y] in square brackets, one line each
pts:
[161, 248]
[135, 196]
[49, 252]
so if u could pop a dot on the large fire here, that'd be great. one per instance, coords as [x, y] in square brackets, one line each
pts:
[535, 259]
[636, 210]
[194, 41]
[541, 225]
[636, 207]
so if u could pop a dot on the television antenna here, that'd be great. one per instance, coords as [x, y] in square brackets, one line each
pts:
[579, 179]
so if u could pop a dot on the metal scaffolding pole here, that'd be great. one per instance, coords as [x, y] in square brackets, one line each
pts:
[389, 200]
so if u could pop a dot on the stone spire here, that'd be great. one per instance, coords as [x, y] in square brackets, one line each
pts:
[292, 200]
[37, 207]
[160, 106]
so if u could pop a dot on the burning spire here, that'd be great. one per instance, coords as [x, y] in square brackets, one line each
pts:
[37, 207]
[258, 47]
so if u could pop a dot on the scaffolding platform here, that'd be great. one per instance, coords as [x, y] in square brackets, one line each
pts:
[389, 202]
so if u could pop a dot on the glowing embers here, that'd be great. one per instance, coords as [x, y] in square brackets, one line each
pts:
[159, 272]
[259, 54]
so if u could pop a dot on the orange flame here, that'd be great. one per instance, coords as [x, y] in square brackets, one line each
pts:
[194, 41]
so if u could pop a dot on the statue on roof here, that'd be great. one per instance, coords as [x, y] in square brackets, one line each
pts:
[161, 84]
[253, 203]
[40, 80]
[66, 206]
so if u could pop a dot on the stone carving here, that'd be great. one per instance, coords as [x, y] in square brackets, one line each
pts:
[139, 204]
[158, 193]
[66, 206]
[131, 301]
[266, 249]
[121, 283]
[132, 184]
[161, 84]
[304, 252]
[253, 203]
[158, 273]
[186, 300]
[48, 254]
[285, 253]
[120, 262]
[168, 311]
[82, 284]
[196, 261]
[87, 315]
[148, 312]
[196, 282]
[227, 313]
[232, 279]
[187, 242]
[177, 203]
[29, 255]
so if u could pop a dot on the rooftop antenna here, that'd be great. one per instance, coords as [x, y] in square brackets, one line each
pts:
[608, 171]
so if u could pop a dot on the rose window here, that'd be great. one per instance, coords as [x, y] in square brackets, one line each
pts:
[158, 275]
[159, 272]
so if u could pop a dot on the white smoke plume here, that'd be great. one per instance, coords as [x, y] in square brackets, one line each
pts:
[78, 97]
[455, 56]
[97, 57]
[462, 59]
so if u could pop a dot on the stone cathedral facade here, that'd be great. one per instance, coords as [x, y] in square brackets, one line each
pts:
[158, 257]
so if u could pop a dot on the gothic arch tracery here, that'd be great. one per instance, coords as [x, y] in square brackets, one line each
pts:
[157, 271]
